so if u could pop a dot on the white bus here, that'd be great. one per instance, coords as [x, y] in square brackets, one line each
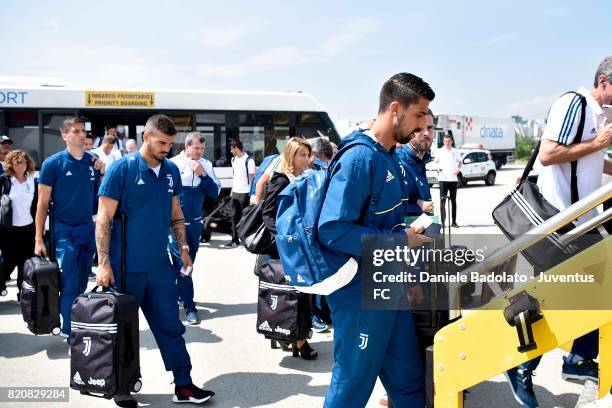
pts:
[32, 109]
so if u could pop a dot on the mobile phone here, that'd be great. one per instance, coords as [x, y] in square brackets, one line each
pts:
[433, 230]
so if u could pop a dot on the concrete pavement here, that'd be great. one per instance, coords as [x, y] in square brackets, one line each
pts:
[229, 357]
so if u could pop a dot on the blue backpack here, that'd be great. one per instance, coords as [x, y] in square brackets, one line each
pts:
[299, 208]
[261, 170]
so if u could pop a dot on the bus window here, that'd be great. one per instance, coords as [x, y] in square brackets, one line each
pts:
[309, 119]
[261, 135]
[22, 128]
[212, 126]
[183, 124]
[312, 132]
[260, 141]
[52, 137]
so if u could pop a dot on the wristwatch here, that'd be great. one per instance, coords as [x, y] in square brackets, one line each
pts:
[185, 248]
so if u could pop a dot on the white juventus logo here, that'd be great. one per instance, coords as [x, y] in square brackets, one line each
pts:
[274, 301]
[170, 180]
[87, 341]
[364, 341]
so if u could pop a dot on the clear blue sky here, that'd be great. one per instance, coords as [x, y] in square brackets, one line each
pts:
[481, 57]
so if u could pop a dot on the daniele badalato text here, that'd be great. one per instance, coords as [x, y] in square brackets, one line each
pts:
[460, 258]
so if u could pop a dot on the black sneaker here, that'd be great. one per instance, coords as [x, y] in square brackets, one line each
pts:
[125, 401]
[191, 393]
[581, 371]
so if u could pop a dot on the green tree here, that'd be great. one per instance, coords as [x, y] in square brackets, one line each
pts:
[524, 146]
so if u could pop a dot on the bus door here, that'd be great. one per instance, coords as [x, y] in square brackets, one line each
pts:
[49, 122]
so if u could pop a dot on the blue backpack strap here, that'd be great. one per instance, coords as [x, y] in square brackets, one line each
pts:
[332, 169]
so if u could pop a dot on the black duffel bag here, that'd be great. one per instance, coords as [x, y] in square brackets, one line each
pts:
[525, 208]
[252, 231]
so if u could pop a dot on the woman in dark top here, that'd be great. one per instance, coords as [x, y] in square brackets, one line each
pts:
[17, 241]
[294, 160]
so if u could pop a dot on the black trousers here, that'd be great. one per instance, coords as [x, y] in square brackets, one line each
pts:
[449, 187]
[243, 198]
[17, 244]
[240, 201]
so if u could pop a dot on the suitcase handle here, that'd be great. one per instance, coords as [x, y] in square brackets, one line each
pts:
[104, 289]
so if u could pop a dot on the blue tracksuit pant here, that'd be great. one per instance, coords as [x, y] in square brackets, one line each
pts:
[370, 344]
[74, 250]
[586, 346]
[156, 293]
[185, 283]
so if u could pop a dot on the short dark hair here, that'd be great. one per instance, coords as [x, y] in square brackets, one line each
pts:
[160, 123]
[236, 144]
[405, 88]
[324, 147]
[89, 135]
[69, 122]
[429, 112]
[605, 68]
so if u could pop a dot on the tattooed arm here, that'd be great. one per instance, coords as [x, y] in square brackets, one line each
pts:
[178, 230]
[106, 210]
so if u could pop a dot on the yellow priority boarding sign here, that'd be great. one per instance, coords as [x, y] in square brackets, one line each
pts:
[115, 99]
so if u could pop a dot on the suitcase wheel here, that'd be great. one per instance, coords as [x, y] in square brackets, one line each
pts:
[55, 331]
[136, 386]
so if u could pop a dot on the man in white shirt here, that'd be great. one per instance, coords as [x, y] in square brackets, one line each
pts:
[557, 151]
[243, 168]
[449, 162]
[106, 152]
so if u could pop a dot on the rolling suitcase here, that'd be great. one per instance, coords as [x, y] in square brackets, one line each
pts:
[40, 289]
[40, 296]
[105, 358]
[283, 313]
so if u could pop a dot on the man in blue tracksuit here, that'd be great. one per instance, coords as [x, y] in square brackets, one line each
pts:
[367, 195]
[146, 186]
[198, 180]
[413, 156]
[68, 179]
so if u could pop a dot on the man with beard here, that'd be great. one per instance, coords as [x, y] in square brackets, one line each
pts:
[413, 156]
[367, 195]
[146, 187]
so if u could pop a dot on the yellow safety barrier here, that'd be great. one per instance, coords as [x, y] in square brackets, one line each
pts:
[481, 344]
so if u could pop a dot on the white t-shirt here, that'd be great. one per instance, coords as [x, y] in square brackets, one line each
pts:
[448, 162]
[107, 159]
[21, 196]
[273, 166]
[554, 181]
[156, 169]
[240, 183]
